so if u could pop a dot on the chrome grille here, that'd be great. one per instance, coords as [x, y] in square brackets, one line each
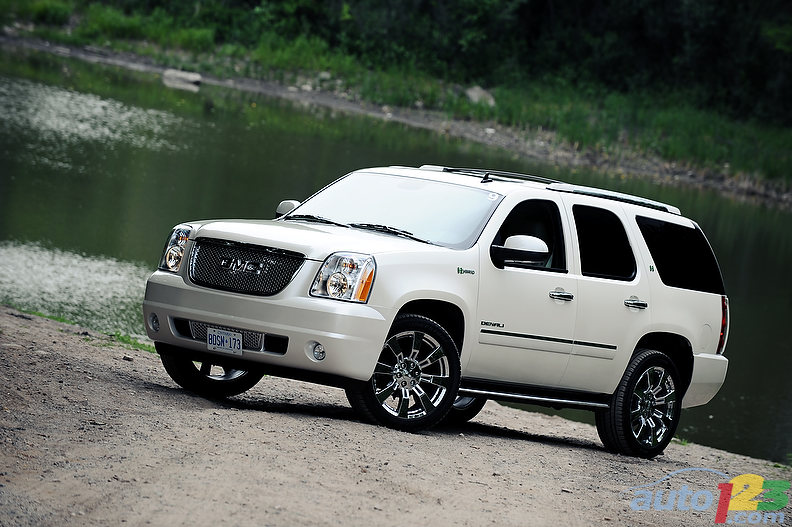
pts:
[251, 340]
[242, 268]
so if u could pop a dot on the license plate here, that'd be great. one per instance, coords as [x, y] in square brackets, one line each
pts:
[222, 340]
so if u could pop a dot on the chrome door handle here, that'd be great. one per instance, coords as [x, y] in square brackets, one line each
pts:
[633, 301]
[562, 295]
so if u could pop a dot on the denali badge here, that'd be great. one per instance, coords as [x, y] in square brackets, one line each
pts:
[492, 324]
[237, 265]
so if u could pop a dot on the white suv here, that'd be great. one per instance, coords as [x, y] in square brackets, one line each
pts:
[423, 292]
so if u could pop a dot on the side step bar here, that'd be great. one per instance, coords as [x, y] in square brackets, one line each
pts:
[532, 399]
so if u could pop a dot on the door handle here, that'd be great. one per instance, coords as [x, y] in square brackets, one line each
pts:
[561, 295]
[635, 302]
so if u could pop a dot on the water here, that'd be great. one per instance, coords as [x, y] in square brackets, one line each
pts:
[97, 164]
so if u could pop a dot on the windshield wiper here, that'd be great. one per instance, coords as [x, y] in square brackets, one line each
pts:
[389, 230]
[315, 219]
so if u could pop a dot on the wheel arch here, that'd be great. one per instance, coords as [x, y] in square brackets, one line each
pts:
[447, 314]
[676, 347]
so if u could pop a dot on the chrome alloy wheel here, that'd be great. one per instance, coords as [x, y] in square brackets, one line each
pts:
[652, 406]
[412, 375]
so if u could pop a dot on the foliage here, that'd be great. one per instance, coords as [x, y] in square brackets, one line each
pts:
[705, 82]
[109, 22]
[51, 12]
[731, 55]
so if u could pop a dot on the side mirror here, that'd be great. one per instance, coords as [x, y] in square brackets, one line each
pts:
[520, 251]
[286, 206]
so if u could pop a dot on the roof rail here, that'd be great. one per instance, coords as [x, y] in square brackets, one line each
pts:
[615, 196]
[558, 186]
[485, 174]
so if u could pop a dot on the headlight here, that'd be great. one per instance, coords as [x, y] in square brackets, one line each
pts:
[173, 254]
[345, 276]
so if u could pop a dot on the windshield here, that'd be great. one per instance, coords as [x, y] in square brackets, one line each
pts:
[436, 212]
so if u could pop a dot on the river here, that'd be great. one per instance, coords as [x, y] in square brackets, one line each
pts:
[97, 163]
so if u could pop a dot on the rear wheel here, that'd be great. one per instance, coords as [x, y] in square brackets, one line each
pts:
[645, 408]
[206, 378]
[416, 377]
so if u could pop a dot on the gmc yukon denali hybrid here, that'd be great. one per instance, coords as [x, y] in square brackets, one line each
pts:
[423, 292]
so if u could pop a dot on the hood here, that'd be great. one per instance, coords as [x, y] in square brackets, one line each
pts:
[315, 241]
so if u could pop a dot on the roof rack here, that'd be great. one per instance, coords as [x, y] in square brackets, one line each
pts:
[485, 174]
[615, 196]
[558, 186]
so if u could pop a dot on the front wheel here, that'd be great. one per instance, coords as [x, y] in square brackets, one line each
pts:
[205, 378]
[464, 409]
[645, 409]
[416, 378]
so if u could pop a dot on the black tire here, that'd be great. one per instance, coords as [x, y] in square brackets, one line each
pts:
[206, 378]
[416, 378]
[645, 408]
[464, 409]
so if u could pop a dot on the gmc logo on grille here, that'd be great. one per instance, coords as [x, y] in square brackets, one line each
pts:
[238, 265]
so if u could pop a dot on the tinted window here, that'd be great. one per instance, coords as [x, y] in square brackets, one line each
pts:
[682, 255]
[604, 248]
[538, 218]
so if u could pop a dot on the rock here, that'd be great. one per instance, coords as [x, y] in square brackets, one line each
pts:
[187, 77]
[477, 94]
[181, 80]
[325, 76]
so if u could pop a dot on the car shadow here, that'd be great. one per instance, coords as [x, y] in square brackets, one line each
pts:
[485, 430]
[342, 412]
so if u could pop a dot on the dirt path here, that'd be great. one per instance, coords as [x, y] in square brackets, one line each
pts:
[544, 146]
[94, 433]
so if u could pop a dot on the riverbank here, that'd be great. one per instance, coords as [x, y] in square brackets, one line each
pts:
[542, 145]
[95, 433]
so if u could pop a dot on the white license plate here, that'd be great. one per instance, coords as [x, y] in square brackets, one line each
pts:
[222, 340]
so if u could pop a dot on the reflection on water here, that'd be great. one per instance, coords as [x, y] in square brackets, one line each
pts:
[97, 292]
[64, 120]
[97, 164]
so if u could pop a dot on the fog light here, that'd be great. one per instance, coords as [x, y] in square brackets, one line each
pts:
[319, 352]
[154, 322]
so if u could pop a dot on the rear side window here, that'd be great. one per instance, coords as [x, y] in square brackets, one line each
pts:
[604, 248]
[682, 255]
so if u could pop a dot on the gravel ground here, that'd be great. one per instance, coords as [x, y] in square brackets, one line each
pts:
[95, 433]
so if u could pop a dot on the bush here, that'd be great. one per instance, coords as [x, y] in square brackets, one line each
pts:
[109, 22]
[50, 12]
[194, 39]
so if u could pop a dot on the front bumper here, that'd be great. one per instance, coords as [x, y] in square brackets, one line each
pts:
[352, 334]
[709, 372]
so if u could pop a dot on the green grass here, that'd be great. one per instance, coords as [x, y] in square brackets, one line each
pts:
[681, 441]
[45, 315]
[117, 337]
[132, 342]
[586, 117]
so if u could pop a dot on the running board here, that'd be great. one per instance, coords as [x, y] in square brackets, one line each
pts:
[532, 399]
